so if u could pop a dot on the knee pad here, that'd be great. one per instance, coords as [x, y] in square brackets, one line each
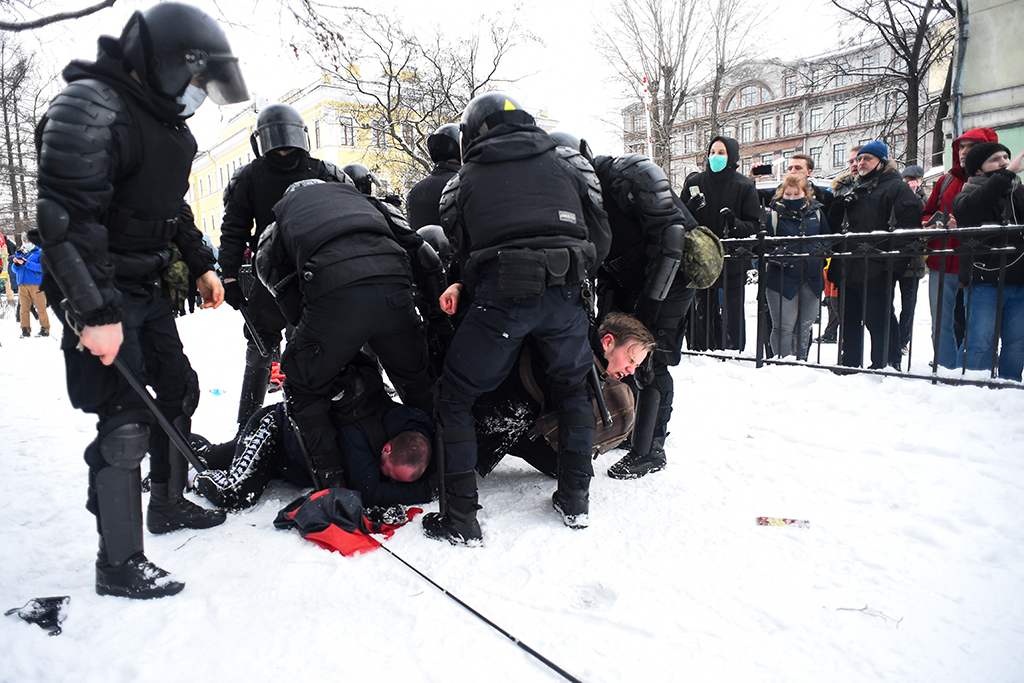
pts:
[125, 446]
[190, 401]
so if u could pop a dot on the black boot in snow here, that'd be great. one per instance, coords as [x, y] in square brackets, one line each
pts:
[136, 578]
[169, 512]
[572, 498]
[458, 525]
[636, 465]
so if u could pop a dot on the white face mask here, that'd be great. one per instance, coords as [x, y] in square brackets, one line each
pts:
[192, 98]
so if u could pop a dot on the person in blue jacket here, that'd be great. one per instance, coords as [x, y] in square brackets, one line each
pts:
[794, 285]
[29, 271]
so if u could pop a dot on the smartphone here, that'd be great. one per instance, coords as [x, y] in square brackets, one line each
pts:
[763, 169]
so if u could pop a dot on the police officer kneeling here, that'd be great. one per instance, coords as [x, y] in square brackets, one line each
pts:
[527, 227]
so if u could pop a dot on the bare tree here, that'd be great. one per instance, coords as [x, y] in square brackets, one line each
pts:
[20, 102]
[408, 82]
[39, 22]
[914, 31]
[656, 40]
[731, 25]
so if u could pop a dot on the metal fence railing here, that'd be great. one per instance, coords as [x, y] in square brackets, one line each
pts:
[883, 255]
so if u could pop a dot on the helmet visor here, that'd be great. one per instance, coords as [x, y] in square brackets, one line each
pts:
[221, 78]
[278, 134]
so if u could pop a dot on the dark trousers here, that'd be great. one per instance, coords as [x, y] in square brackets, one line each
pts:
[715, 327]
[908, 302]
[485, 348]
[268, 320]
[152, 351]
[873, 309]
[332, 329]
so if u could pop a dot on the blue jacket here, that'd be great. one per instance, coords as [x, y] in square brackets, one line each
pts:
[30, 272]
[787, 275]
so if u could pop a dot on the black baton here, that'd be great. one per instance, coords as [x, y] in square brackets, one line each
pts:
[595, 383]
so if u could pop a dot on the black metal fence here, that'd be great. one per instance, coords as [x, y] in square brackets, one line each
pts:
[886, 254]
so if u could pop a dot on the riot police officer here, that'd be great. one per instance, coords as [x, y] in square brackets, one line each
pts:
[641, 276]
[114, 160]
[528, 228]
[341, 266]
[425, 195]
[281, 145]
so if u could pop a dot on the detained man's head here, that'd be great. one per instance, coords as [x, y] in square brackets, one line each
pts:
[405, 457]
[626, 344]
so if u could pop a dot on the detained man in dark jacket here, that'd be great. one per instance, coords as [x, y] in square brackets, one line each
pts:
[879, 200]
[993, 195]
[726, 202]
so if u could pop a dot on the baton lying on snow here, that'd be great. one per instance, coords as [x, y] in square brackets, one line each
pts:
[172, 433]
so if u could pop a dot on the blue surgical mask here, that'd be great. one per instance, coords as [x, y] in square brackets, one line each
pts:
[718, 162]
[192, 98]
[793, 204]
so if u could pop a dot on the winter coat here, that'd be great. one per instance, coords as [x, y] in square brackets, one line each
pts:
[946, 188]
[727, 188]
[788, 275]
[30, 272]
[425, 196]
[997, 199]
[878, 201]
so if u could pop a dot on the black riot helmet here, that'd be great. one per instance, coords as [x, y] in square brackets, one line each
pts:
[362, 177]
[435, 237]
[277, 126]
[484, 112]
[444, 143]
[563, 139]
[171, 43]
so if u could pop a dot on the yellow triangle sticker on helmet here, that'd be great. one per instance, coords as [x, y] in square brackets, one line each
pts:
[509, 106]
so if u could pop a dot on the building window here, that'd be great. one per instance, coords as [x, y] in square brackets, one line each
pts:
[637, 123]
[839, 116]
[209, 183]
[688, 146]
[220, 172]
[843, 76]
[747, 131]
[204, 224]
[707, 106]
[729, 131]
[748, 96]
[866, 111]
[768, 128]
[767, 158]
[817, 116]
[817, 78]
[689, 110]
[348, 131]
[867, 65]
[838, 156]
[200, 187]
[895, 104]
[789, 86]
[747, 165]
[316, 134]
[380, 135]
[765, 94]
[789, 124]
[899, 145]
[865, 141]
[815, 155]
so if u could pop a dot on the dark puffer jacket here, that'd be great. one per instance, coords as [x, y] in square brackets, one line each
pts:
[997, 199]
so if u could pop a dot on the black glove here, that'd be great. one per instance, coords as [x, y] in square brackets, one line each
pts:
[233, 295]
[696, 203]
[850, 199]
[728, 218]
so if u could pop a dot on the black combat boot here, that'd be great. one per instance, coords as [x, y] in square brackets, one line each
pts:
[457, 524]
[648, 453]
[254, 385]
[572, 498]
[136, 578]
[169, 510]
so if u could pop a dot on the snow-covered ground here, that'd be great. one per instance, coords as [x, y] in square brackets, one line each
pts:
[912, 568]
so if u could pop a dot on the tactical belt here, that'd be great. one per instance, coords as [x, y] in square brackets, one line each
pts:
[120, 220]
[526, 273]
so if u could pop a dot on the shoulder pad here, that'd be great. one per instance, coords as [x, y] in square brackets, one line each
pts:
[651, 188]
[242, 175]
[447, 207]
[397, 217]
[332, 173]
[75, 137]
[583, 167]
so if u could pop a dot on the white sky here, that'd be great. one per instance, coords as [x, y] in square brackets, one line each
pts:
[567, 77]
